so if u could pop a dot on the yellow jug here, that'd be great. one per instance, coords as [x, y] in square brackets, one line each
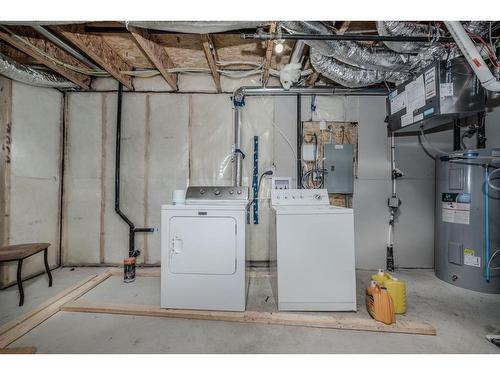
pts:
[396, 289]
[380, 277]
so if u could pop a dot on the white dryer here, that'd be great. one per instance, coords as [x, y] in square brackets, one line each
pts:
[312, 252]
[203, 250]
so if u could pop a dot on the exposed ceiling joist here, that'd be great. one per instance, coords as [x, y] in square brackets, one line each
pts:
[343, 27]
[98, 50]
[211, 55]
[155, 54]
[48, 54]
[312, 79]
[269, 55]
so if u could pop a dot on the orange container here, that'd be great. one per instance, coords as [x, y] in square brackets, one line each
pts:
[379, 304]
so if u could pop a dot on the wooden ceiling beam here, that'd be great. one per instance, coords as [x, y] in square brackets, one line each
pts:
[269, 55]
[155, 53]
[211, 55]
[312, 79]
[32, 48]
[98, 50]
[343, 27]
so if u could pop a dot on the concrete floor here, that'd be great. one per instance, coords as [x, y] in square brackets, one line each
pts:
[462, 319]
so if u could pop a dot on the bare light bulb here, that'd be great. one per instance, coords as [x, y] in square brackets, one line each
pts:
[279, 47]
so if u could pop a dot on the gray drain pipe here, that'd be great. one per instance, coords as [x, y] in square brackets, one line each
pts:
[239, 101]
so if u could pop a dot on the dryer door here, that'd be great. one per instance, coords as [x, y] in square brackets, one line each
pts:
[202, 245]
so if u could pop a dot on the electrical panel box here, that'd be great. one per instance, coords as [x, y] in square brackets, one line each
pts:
[338, 164]
[440, 93]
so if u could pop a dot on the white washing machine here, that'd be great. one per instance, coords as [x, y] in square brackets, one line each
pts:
[312, 252]
[203, 250]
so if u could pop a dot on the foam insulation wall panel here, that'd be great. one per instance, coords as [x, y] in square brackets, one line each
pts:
[211, 139]
[167, 161]
[258, 120]
[201, 131]
[154, 162]
[34, 189]
[82, 190]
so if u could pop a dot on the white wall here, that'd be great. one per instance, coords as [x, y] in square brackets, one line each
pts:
[170, 140]
[34, 173]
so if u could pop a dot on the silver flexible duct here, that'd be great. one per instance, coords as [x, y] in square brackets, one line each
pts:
[348, 52]
[402, 28]
[426, 52]
[197, 27]
[480, 28]
[350, 76]
[24, 74]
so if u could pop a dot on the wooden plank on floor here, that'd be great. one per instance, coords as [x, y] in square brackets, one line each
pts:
[8, 326]
[333, 321]
[21, 327]
[20, 350]
[156, 272]
[144, 272]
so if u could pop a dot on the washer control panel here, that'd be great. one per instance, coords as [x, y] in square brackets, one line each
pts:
[294, 197]
[216, 193]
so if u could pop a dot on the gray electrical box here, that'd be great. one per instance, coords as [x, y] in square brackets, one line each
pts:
[338, 165]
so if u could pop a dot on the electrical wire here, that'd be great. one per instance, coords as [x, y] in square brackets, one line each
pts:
[286, 140]
[438, 150]
[489, 179]
[488, 266]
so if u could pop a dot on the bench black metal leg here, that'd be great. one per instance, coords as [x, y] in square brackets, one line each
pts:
[47, 268]
[20, 282]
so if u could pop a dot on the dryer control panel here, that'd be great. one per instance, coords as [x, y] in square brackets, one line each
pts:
[296, 197]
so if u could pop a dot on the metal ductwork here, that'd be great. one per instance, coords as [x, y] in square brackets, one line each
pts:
[348, 52]
[480, 28]
[24, 74]
[401, 28]
[350, 76]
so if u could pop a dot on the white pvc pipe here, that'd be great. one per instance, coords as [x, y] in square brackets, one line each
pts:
[473, 57]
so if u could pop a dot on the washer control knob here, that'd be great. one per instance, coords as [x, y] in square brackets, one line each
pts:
[317, 197]
[231, 192]
[202, 191]
[217, 192]
[238, 192]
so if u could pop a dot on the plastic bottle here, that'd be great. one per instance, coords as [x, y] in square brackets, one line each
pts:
[379, 304]
[397, 291]
[380, 277]
[395, 287]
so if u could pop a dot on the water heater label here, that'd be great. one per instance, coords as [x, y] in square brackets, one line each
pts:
[470, 259]
[455, 208]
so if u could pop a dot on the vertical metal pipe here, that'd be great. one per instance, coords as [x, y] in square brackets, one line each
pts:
[298, 50]
[299, 142]
[456, 135]
[481, 130]
[237, 153]
[393, 164]
[486, 222]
